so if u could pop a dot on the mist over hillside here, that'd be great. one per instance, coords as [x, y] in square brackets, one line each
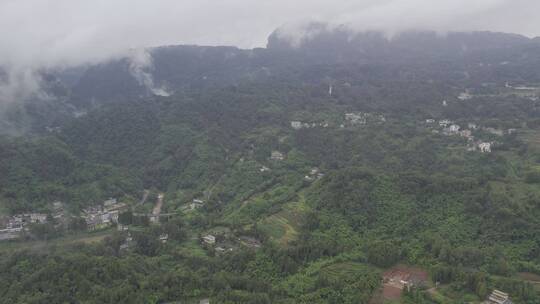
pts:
[478, 56]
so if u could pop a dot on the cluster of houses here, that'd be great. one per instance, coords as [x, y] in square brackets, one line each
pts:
[14, 226]
[297, 125]
[464, 96]
[351, 119]
[361, 118]
[228, 244]
[450, 128]
[210, 241]
[313, 175]
[102, 216]
[194, 205]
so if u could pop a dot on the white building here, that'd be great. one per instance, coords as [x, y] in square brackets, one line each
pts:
[454, 128]
[445, 122]
[264, 169]
[297, 125]
[485, 147]
[498, 297]
[209, 239]
[465, 96]
[164, 238]
[110, 202]
[276, 155]
[356, 118]
[38, 218]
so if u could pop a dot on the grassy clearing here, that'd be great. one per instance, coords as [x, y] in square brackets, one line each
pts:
[191, 248]
[86, 238]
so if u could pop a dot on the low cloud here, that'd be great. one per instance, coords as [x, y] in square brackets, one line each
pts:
[45, 34]
[140, 67]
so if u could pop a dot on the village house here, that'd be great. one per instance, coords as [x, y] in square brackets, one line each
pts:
[221, 249]
[452, 129]
[430, 121]
[163, 238]
[464, 96]
[264, 169]
[109, 202]
[472, 126]
[313, 175]
[209, 239]
[276, 155]
[498, 297]
[97, 217]
[465, 133]
[297, 125]
[356, 118]
[12, 227]
[58, 213]
[195, 204]
[250, 242]
[445, 122]
[39, 218]
[485, 147]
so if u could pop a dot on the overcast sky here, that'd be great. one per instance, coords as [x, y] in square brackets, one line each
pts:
[52, 32]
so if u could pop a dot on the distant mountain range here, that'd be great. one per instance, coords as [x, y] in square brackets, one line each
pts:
[327, 55]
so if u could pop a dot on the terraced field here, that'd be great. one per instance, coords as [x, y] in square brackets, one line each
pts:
[283, 226]
[346, 268]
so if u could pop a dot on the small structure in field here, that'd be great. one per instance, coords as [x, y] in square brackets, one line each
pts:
[485, 147]
[209, 239]
[401, 277]
[464, 96]
[276, 155]
[445, 122]
[163, 238]
[250, 242]
[498, 297]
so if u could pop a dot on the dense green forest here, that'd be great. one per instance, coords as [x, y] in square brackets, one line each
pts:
[346, 201]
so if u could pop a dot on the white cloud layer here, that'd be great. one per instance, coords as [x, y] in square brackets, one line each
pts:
[54, 33]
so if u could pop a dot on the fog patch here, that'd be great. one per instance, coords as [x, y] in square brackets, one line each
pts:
[140, 67]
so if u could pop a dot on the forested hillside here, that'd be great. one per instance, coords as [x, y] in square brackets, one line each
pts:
[318, 170]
